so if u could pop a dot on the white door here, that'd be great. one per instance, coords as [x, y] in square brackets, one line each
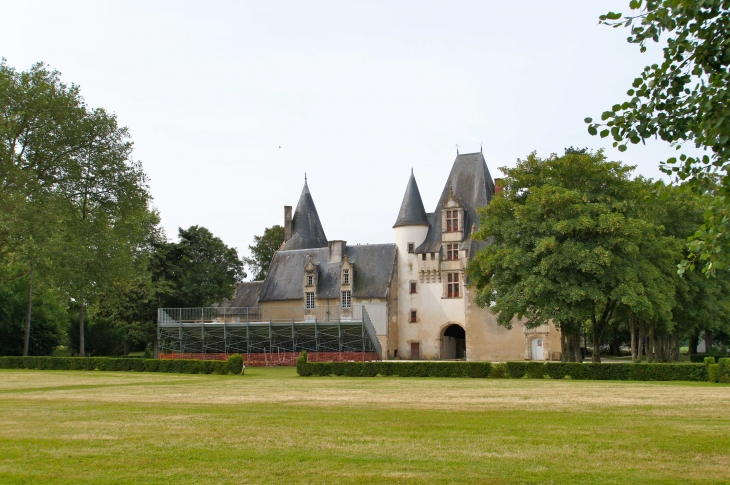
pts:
[537, 349]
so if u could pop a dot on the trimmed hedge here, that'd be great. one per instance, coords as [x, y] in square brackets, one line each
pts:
[712, 373]
[697, 358]
[723, 370]
[515, 370]
[179, 366]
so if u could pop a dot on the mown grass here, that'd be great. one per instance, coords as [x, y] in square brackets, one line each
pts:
[271, 426]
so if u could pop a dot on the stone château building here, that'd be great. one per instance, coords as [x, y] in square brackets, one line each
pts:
[415, 290]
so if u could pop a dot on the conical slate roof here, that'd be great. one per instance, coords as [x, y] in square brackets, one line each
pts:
[412, 212]
[307, 231]
[471, 181]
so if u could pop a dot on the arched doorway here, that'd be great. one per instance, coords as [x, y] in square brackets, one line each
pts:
[453, 342]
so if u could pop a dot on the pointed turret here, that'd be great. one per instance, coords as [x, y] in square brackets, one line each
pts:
[412, 212]
[470, 182]
[306, 231]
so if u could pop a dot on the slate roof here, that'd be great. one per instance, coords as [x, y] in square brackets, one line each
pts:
[307, 231]
[246, 294]
[373, 267]
[412, 212]
[473, 184]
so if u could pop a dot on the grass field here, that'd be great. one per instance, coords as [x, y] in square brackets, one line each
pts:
[271, 426]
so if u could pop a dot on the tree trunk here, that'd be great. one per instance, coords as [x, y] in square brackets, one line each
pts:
[675, 357]
[596, 358]
[563, 346]
[81, 329]
[616, 346]
[570, 347]
[640, 344]
[650, 344]
[632, 329]
[576, 347]
[29, 311]
[708, 341]
[693, 341]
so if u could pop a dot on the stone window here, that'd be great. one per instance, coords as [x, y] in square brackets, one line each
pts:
[413, 287]
[346, 299]
[310, 280]
[452, 285]
[414, 316]
[309, 300]
[452, 221]
[433, 256]
[345, 276]
[423, 256]
[452, 252]
[411, 247]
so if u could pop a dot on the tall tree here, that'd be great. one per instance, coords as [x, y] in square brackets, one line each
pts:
[107, 221]
[566, 245]
[263, 250]
[197, 271]
[682, 100]
[38, 135]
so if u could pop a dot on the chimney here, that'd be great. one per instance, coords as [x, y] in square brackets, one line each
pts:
[498, 186]
[287, 222]
[336, 251]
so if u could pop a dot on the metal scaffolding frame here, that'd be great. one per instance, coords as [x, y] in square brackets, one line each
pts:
[265, 330]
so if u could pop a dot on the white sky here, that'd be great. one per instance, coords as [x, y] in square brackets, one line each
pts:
[229, 103]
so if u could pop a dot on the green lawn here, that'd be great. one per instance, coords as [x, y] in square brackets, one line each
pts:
[271, 426]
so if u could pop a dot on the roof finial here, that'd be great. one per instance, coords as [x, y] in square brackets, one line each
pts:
[305, 177]
[411, 170]
[481, 146]
[457, 148]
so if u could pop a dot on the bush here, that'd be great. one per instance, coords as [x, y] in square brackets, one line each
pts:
[535, 370]
[235, 364]
[498, 371]
[516, 370]
[712, 371]
[120, 364]
[697, 358]
[556, 370]
[723, 370]
[668, 372]
[303, 368]
[479, 369]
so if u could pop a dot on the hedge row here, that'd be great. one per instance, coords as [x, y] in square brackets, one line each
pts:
[719, 372]
[701, 357]
[515, 370]
[234, 364]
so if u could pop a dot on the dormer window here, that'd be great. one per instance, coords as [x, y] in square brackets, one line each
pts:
[310, 280]
[452, 221]
[345, 276]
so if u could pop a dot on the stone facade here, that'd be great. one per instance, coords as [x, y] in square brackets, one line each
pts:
[415, 291]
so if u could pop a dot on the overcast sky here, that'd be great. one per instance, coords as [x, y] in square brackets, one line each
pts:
[230, 103]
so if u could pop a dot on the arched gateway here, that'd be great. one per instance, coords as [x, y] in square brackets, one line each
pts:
[453, 342]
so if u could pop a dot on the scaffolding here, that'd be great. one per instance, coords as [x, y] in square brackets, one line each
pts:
[267, 335]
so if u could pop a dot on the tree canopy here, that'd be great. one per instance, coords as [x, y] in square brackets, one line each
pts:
[568, 244]
[263, 250]
[684, 99]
